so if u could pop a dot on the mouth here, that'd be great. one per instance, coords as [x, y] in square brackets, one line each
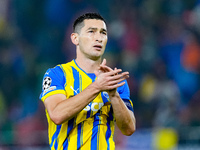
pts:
[98, 47]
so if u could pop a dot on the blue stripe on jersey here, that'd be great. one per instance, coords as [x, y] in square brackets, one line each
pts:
[64, 74]
[89, 112]
[104, 96]
[70, 127]
[95, 131]
[76, 81]
[79, 136]
[76, 91]
[55, 136]
[92, 76]
[56, 144]
[110, 114]
[108, 134]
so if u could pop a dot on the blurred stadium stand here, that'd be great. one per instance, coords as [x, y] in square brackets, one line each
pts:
[158, 42]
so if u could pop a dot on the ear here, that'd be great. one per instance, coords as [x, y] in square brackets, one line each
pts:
[74, 38]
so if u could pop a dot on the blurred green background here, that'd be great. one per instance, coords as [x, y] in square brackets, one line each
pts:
[157, 41]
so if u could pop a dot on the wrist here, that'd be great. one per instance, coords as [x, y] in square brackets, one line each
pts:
[95, 88]
[113, 94]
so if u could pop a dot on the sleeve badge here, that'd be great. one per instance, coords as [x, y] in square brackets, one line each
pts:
[46, 83]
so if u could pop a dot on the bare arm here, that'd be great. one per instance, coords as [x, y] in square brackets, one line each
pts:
[125, 118]
[61, 109]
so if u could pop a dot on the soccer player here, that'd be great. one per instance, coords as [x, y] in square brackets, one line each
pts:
[84, 98]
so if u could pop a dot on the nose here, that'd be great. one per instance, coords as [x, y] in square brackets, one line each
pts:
[98, 37]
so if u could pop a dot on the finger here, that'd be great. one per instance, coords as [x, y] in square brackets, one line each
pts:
[103, 62]
[115, 86]
[115, 69]
[114, 72]
[119, 84]
[117, 76]
[102, 69]
[113, 82]
[105, 68]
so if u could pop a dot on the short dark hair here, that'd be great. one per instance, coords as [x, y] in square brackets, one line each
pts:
[79, 22]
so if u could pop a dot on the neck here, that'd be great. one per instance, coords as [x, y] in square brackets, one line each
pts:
[88, 65]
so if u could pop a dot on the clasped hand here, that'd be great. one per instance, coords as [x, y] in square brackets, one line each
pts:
[110, 79]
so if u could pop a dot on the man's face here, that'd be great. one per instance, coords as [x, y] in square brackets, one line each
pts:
[92, 38]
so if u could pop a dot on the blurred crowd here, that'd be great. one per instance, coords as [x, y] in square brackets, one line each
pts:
[157, 41]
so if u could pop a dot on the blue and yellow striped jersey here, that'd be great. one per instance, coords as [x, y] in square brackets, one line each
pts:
[93, 127]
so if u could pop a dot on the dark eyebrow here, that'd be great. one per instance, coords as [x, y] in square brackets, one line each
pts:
[91, 28]
[104, 30]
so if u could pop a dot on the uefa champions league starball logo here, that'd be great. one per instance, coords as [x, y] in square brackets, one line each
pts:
[46, 83]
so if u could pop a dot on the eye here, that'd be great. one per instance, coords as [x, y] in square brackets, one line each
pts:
[91, 31]
[104, 33]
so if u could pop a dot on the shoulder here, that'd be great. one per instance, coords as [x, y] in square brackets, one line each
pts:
[60, 69]
[67, 67]
[54, 72]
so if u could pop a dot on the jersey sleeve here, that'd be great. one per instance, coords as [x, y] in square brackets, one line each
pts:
[124, 93]
[53, 83]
